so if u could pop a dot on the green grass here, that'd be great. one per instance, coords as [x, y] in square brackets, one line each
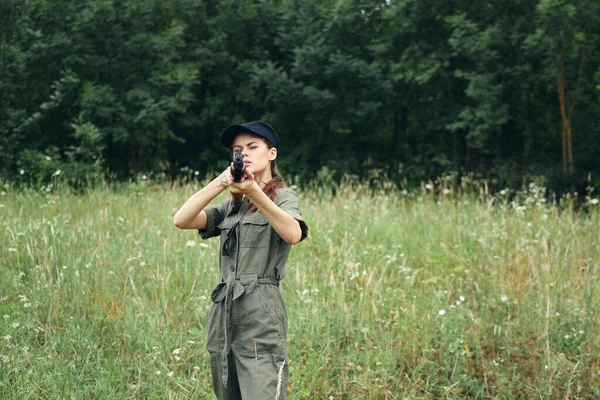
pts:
[101, 297]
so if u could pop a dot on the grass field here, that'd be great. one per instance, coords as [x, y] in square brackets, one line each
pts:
[421, 295]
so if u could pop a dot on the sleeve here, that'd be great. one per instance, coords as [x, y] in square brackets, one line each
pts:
[214, 216]
[287, 200]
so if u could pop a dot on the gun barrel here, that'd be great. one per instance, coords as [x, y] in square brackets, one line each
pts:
[238, 165]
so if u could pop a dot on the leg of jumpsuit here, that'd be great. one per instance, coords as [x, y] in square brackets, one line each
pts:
[218, 331]
[232, 391]
[258, 341]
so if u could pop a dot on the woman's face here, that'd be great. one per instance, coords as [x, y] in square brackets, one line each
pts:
[257, 155]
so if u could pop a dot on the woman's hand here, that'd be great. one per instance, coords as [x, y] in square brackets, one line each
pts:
[226, 178]
[245, 186]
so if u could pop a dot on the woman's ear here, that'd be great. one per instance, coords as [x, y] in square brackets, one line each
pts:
[272, 154]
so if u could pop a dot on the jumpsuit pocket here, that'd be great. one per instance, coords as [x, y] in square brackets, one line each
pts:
[271, 301]
[267, 302]
[254, 230]
[213, 328]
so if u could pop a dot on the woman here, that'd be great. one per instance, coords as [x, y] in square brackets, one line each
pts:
[247, 321]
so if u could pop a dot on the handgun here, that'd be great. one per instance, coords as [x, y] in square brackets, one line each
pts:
[238, 165]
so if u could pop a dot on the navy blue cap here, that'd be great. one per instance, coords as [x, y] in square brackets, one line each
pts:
[258, 128]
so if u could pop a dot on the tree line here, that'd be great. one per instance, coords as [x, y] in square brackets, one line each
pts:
[406, 90]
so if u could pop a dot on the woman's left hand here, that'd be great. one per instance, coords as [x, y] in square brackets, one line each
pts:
[245, 186]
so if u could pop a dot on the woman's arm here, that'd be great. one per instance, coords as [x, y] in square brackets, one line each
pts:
[284, 224]
[191, 215]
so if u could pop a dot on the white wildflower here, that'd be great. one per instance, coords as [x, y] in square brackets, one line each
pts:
[504, 298]
[190, 243]
[442, 312]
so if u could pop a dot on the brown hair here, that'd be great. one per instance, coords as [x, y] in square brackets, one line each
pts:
[270, 188]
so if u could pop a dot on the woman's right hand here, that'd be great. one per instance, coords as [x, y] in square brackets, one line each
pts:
[226, 178]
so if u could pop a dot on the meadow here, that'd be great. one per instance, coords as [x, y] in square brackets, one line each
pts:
[424, 294]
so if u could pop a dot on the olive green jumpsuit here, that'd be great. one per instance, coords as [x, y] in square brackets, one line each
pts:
[247, 321]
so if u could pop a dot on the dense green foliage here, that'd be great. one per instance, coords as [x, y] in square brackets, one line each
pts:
[409, 89]
[401, 295]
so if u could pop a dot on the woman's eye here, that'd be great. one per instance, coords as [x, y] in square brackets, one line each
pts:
[252, 148]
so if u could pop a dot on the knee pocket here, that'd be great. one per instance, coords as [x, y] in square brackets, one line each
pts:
[259, 375]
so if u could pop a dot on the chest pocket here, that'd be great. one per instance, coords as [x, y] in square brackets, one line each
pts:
[254, 230]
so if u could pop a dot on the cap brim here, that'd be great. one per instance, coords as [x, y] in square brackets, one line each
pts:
[231, 131]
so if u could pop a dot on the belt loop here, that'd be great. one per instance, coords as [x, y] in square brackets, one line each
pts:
[268, 281]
